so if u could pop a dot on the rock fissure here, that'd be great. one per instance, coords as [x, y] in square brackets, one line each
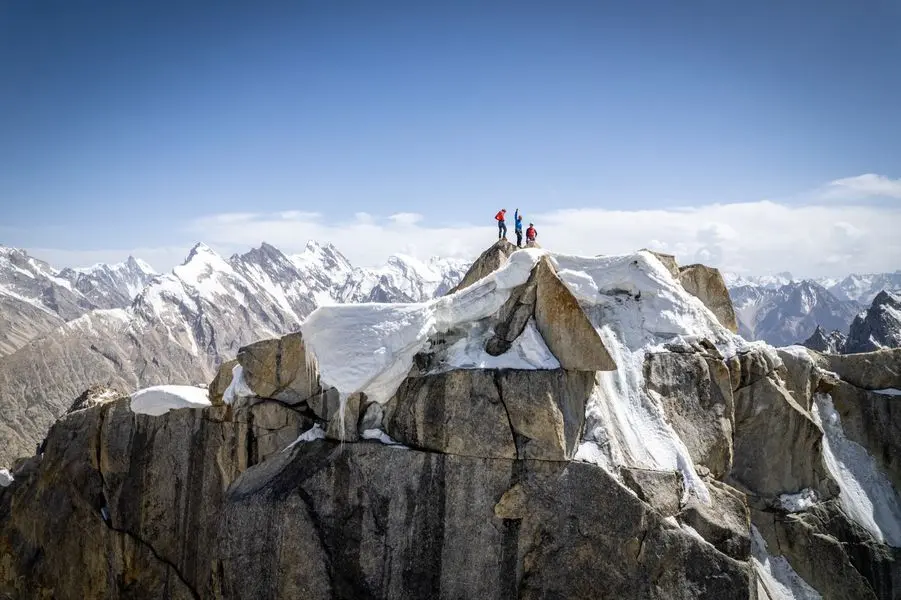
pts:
[159, 557]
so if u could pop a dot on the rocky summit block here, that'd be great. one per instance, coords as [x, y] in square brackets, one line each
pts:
[277, 369]
[487, 263]
[707, 284]
[876, 370]
[492, 413]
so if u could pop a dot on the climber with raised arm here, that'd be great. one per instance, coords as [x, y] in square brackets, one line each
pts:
[501, 225]
[517, 227]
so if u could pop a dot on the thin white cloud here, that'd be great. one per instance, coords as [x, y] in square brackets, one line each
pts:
[810, 240]
[868, 185]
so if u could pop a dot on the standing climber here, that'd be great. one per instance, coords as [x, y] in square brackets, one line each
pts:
[517, 227]
[531, 233]
[501, 225]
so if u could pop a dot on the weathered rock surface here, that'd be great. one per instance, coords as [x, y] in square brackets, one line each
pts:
[777, 445]
[725, 522]
[668, 260]
[277, 368]
[488, 262]
[151, 517]
[870, 370]
[492, 414]
[696, 394]
[707, 284]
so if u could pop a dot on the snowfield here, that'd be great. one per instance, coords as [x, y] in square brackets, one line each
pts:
[160, 399]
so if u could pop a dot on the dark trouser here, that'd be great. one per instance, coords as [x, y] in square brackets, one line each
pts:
[519, 238]
[501, 229]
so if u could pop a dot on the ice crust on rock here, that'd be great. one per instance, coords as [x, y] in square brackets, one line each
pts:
[867, 495]
[160, 399]
[238, 389]
[6, 478]
[316, 432]
[799, 502]
[777, 576]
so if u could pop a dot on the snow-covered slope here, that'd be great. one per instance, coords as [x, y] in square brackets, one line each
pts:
[111, 286]
[864, 288]
[403, 279]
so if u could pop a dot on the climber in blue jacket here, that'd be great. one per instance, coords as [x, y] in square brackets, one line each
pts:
[517, 223]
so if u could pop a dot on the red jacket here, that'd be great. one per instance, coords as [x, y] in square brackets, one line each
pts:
[531, 233]
[499, 216]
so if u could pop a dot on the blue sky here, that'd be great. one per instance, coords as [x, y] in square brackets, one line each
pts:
[131, 126]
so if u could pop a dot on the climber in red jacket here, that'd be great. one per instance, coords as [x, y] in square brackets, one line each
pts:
[531, 233]
[501, 225]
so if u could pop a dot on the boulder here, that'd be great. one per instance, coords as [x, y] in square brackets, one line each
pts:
[221, 381]
[487, 263]
[278, 369]
[870, 370]
[707, 284]
[564, 326]
[513, 317]
[696, 394]
[272, 426]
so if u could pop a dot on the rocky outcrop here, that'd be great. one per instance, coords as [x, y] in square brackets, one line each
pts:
[277, 368]
[326, 520]
[870, 371]
[560, 320]
[695, 391]
[221, 381]
[707, 284]
[879, 327]
[777, 445]
[488, 262]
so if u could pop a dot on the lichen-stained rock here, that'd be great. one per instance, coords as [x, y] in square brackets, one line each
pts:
[221, 381]
[874, 421]
[725, 522]
[277, 369]
[370, 521]
[487, 263]
[869, 370]
[457, 412]
[546, 410]
[777, 446]
[696, 394]
[562, 323]
[706, 283]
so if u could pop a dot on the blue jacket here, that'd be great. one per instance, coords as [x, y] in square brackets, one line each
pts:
[517, 220]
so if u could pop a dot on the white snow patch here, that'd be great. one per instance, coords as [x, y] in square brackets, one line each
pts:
[6, 478]
[867, 495]
[529, 351]
[799, 502]
[889, 392]
[369, 348]
[238, 389]
[378, 434]
[160, 399]
[776, 574]
[316, 432]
